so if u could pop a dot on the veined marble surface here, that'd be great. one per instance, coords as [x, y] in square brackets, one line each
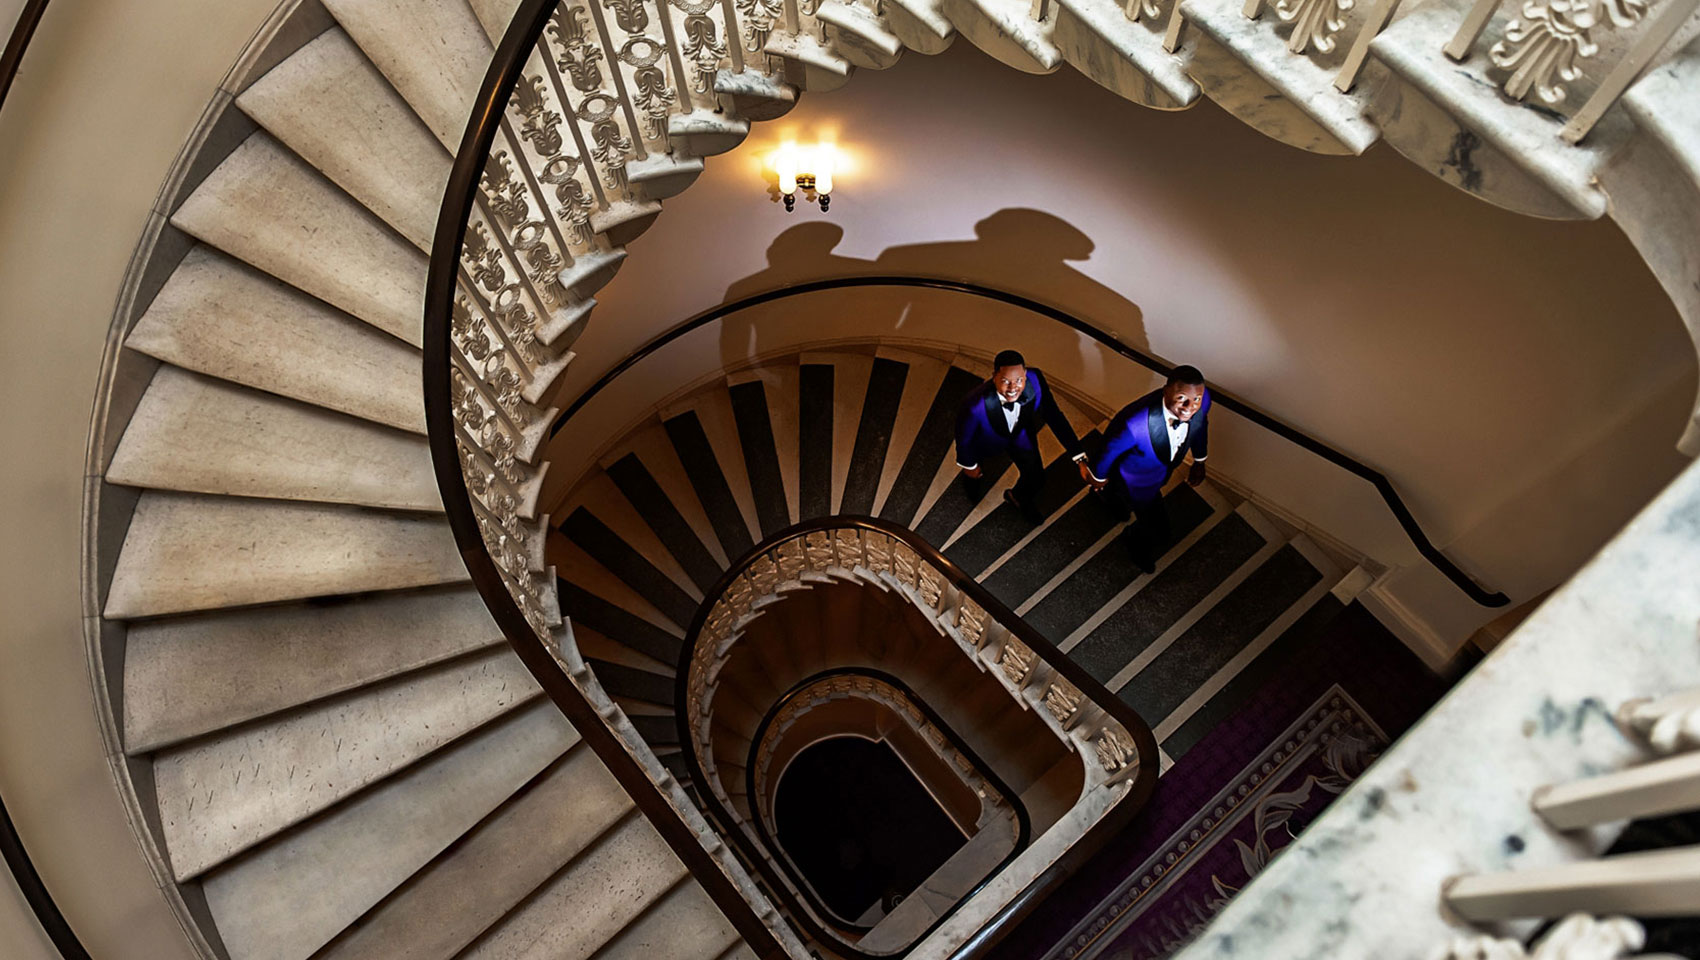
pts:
[1123, 56]
[1452, 796]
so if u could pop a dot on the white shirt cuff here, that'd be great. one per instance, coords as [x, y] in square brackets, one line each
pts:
[1199, 459]
[968, 466]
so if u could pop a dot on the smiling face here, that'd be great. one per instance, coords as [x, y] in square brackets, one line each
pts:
[1183, 399]
[1009, 382]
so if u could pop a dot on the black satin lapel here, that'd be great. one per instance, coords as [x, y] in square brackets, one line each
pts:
[994, 412]
[1159, 431]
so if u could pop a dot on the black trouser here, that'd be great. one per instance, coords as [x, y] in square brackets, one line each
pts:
[1032, 479]
[1150, 531]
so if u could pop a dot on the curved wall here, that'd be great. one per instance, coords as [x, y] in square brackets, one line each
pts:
[109, 92]
[1523, 382]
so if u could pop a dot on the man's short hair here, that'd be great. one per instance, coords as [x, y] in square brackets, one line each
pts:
[1186, 375]
[1008, 358]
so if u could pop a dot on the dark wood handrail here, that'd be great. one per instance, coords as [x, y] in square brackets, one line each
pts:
[1024, 822]
[458, 199]
[1099, 834]
[17, 859]
[1383, 486]
[41, 902]
[22, 33]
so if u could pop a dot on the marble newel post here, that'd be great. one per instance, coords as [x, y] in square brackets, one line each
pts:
[1453, 796]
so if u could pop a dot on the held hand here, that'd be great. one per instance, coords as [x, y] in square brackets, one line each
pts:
[973, 474]
[1087, 478]
[1195, 476]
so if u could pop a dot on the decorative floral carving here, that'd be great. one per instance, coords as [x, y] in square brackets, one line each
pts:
[971, 623]
[817, 547]
[1016, 660]
[1576, 937]
[758, 17]
[629, 14]
[848, 543]
[1114, 749]
[1542, 46]
[932, 586]
[702, 44]
[1667, 730]
[653, 98]
[1315, 22]
[579, 56]
[1136, 9]
[764, 575]
[539, 124]
[608, 143]
[562, 174]
[789, 556]
[878, 548]
[1063, 699]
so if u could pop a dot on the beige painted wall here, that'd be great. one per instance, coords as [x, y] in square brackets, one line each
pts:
[1524, 382]
[109, 91]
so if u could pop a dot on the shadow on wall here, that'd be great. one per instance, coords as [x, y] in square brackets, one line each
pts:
[1033, 249]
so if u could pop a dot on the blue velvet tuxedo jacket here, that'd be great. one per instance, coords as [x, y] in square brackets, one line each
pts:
[1136, 456]
[982, 429]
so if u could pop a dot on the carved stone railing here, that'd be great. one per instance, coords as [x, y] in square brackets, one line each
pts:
[1116, 749]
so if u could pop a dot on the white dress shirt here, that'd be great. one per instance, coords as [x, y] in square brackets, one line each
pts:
[1011, 412]
[1178, 431]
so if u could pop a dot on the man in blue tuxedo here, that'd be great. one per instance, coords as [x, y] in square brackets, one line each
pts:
[1004, 416]
[1142, 446]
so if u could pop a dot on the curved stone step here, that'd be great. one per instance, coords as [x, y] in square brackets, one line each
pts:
[1310, 114]
[683, 925]
[859, 36]
[515, 850]
[434, 52]
[200, 435]
[764, 401]
[223, 318]
[267, 206]
[1006, 31]
[704, 133]
[924, 376]
[1124, 56]
[705, 438]
[616, 506]
[187, 552]
[603, 890]
[813, 65]
[288, 898]
[221, 795]
[756, 95]
[920, 24]
[330, 105]
[259, 661]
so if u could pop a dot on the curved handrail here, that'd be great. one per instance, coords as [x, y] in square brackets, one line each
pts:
[22, 32]
[41, 902]
[1383, 486]
[1024, 822]
[1144, 741]
[459, 197]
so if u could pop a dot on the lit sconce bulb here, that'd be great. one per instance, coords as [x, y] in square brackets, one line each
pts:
[786, 163]
[825, 156]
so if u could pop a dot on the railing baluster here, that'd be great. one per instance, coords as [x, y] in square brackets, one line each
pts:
[1658, 883]
[1672, 15]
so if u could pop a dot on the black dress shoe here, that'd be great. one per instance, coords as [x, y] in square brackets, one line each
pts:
[1141, 555]
[1028, 510]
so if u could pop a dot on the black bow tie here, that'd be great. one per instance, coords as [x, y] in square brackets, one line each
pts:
[1009, 404]
[1175, 422]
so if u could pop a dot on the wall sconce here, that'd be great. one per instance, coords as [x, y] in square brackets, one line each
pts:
[808, 169]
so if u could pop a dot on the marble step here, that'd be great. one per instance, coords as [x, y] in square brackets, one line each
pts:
[182, 550]
[201, 435]
[764, 401]
[704, 133]
[267, 206]
[617, 507]
[260, 661]
[434, 52]
[223, 794]
[330, 105]
[923, 381]
[666, 518]
[623, 221]
[494, 16]
[288, 898]
[661, 175]
[755, 95]
[920, 24]
[930, 453]
[871, 430]
[1006, 31]
[1238, 61]
[591, 594]
[683, 925]
[847, 384]
[809, 63]
[469, 888]
[1663, 104]
[705, 439]
[223, 318]
[859, 36]
[604, 889]
[1124, 56]
[976, 547]
[1525, 166]
[630, 566]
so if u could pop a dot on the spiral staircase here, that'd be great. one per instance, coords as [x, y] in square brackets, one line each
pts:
[331, 746]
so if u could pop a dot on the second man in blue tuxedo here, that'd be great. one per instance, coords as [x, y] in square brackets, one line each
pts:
[1143, 444]
[1003, 417]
